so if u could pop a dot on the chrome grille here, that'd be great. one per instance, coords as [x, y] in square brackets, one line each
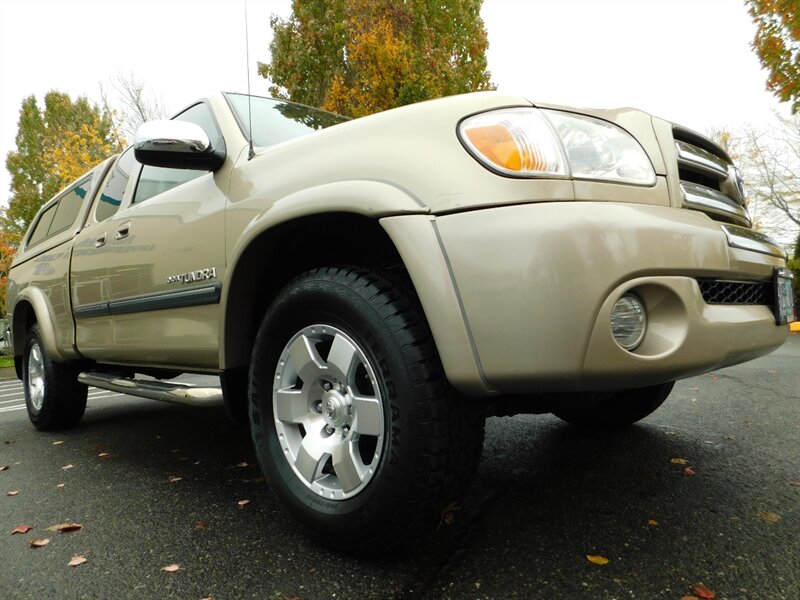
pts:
[710, 182]
[718, 291]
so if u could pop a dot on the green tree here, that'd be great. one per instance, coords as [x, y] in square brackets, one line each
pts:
[54, 146]
[777, 43]
[358, 57]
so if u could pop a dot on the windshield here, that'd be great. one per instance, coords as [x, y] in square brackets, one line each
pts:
[275, 121]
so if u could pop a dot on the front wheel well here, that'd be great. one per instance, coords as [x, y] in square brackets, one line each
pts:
[287, 250]
[24, 319]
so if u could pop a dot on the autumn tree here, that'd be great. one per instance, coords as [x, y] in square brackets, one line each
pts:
[55, 145]
[777, 43]
[9, 241]
[133, 104]
[357, 57]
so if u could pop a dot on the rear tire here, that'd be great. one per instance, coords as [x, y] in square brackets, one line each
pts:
[357, 431]
[54, 397]
[619, 409]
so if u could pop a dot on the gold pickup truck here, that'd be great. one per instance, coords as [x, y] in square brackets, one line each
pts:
[369, 291]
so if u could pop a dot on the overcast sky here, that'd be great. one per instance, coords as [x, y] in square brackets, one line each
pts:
[688, 61]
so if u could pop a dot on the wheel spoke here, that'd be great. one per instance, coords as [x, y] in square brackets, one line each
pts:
[323, 407]
[36, 376]
[347, 466]
[367, 412]
[305, 359]
[342, 358]
[291, 405]
[311, 457]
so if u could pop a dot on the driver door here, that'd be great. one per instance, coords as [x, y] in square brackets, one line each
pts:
[147, 279]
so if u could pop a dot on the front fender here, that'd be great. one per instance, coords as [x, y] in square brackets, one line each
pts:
[367, 198]
[364, 198]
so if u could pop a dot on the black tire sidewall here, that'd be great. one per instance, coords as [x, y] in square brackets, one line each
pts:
[64, 398]
[319, 301]
[620, 409]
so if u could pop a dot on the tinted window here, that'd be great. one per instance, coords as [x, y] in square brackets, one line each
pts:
[42, 226]
[275, 121]
[62, 214]
[111, 196]
[69, 206]
[155, 180]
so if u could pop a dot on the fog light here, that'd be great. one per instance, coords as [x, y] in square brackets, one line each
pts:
[628, 321]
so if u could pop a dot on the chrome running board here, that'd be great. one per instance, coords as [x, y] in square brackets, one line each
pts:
[177, 393]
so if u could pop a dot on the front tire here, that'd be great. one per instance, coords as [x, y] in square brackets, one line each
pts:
[54, 397]
[619, 409]
[354, 424]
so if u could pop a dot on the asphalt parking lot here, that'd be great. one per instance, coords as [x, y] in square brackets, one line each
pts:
[155, 485]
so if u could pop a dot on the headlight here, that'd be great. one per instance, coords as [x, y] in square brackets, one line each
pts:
[527, 142]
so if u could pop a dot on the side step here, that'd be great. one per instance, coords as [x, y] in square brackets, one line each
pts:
[177, 393]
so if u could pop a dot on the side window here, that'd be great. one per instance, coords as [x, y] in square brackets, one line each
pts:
[155, 180]
[42, 226]
[111, 196]
[69, 206]
[60, 215]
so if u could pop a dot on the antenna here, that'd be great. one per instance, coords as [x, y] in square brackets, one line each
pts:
[252, 152]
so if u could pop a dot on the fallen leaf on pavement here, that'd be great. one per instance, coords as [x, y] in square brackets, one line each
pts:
[243, 503]
[689, 471]
[171, 568]
[4, 468]
[58, 442]
[597, 559]
[104, 455]
[65, 527]
[702, 591]
[174, 479]
[39, 542]
[65, 467]
[769, 517]
[60, 485]
[679, 461]
[10, 442]
[202, 524]
[21, 529]
[77, 560]
[715, 377]
[652, 522]
[12, 493]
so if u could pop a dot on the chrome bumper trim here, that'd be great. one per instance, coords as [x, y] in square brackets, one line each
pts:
[747, 239]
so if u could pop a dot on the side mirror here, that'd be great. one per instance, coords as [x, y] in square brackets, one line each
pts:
[176, 145]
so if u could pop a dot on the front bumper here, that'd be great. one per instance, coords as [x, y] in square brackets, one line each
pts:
[535, 284]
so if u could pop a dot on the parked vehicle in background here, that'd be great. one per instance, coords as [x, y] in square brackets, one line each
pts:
[369, 291]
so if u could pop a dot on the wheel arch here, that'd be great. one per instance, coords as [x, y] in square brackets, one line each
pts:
[32, 307]
[278, 254]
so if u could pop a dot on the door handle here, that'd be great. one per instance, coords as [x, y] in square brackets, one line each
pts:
[101, 241]
[123, 230]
